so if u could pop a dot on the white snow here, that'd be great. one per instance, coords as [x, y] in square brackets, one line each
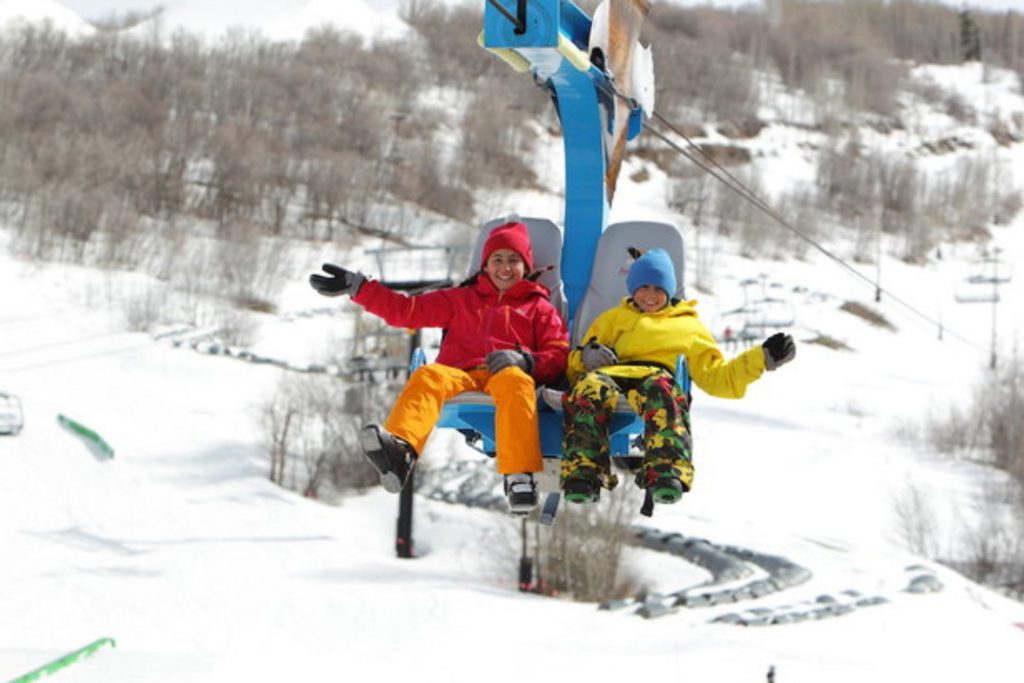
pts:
[182, 551]
[200, 569]
[273, 19]
[18, 12]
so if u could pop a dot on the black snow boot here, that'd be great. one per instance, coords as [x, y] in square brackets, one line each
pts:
[521, 490]
[392, 457]
[582, 489]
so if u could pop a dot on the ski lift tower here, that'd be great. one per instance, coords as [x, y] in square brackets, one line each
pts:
[974, 289]
[995, 280]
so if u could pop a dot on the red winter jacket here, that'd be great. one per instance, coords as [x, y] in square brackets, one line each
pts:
[479, 320]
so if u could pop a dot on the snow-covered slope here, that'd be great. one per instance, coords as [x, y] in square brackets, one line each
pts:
[15, 12]
[200, 569]
[273, 19]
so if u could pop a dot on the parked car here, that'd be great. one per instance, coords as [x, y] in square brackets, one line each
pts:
[11, 417]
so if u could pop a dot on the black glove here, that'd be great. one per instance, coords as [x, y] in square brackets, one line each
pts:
[779, 349]
[340, 282]
[499, 360]
[596, 356]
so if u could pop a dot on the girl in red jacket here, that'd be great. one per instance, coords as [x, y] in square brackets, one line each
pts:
[503, 335]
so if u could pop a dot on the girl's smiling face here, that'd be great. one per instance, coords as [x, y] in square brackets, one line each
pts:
[505, 267]
[650, 299]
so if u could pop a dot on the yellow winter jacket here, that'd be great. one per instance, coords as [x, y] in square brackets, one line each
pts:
[661, 337]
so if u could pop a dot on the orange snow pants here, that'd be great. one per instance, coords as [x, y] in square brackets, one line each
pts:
[516, 433]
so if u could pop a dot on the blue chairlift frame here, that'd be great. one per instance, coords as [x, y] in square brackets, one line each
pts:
[556, 31]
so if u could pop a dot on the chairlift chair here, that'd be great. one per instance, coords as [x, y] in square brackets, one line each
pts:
[770, 313]
[472, 413]
[967, 292]
[981, 285]
[989, 272]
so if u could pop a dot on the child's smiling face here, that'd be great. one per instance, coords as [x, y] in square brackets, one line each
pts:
[505, 267]
[650, 299]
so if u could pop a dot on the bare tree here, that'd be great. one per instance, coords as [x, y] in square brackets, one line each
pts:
[699, 63]
[916, 521]
[582, 555]
[992, 547]
[310, 439]
[250, 268]
[494, 150]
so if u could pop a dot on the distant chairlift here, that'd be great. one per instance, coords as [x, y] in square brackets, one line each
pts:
[981, 285]
[968, 292]
[990, 271]
[756, 318]
[770, 313]
[760, 315]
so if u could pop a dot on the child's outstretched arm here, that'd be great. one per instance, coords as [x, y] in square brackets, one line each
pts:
[730, 378]
[433, 309]
[720, 377]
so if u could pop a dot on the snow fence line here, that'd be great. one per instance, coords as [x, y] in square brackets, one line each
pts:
[207, 341]
[822, 607]
[922, 581]
[93, 441]
[65, 661]
[737, 574]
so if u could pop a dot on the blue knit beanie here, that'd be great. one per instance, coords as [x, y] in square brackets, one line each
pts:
[653, 268]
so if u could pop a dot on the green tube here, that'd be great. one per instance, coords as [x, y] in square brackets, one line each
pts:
[100, 448]
[65, 661]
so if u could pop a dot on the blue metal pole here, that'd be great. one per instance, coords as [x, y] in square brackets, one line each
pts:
[549, 23]
[586, 205]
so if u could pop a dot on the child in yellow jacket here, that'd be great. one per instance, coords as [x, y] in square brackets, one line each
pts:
[632, 349]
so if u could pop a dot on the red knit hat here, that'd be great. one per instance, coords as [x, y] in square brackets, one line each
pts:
[512, 236]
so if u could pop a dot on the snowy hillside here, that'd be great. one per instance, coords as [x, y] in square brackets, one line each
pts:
[276, 20]
[15, 12]
[270, 19]
[181, 551]
[284, 20]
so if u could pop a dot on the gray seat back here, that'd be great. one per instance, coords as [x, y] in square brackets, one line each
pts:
[611, 266]
[546, 242]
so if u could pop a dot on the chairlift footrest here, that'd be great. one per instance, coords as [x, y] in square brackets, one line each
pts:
[550, 508]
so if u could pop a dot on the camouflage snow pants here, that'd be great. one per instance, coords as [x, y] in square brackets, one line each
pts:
[656, 398]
